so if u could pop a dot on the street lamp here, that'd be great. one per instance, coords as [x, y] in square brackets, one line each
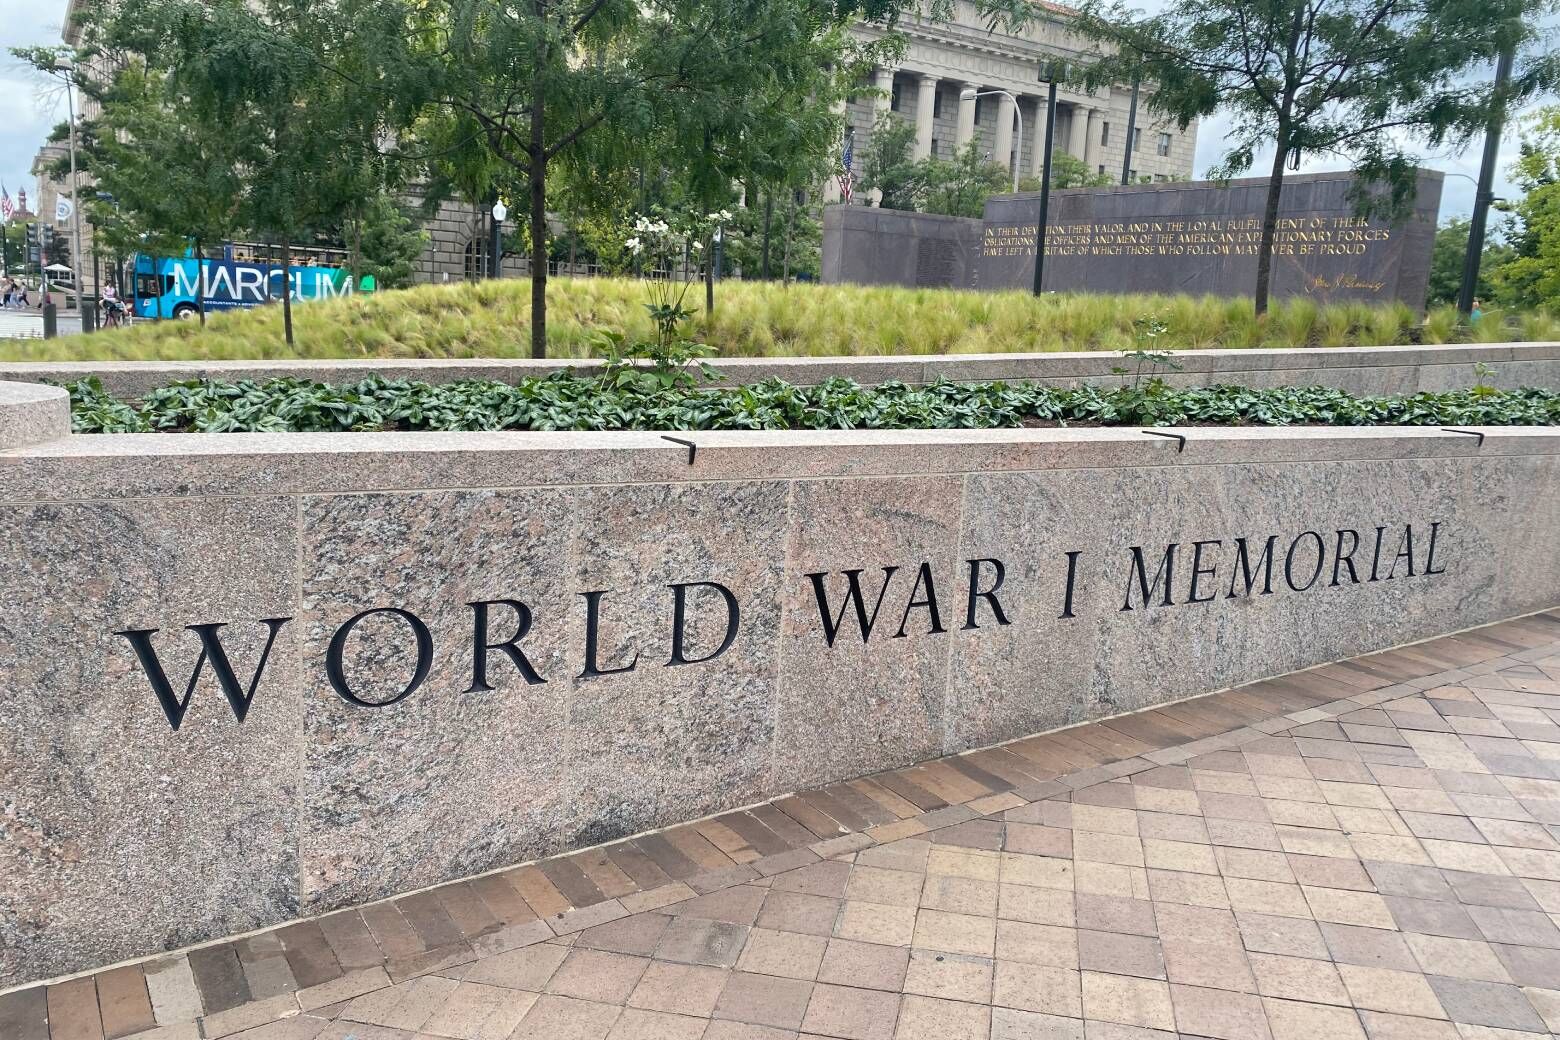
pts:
[496, 246]
[971, 95]
[1051, 72]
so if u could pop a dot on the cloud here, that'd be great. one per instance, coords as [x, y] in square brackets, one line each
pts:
[29, 114]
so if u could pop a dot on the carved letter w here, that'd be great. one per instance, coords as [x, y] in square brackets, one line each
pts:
[210, 649]
[833, 622]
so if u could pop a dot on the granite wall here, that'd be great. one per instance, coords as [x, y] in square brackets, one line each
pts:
[871, 246]
[666, 635]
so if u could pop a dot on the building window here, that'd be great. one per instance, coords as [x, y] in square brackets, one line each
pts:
[936, 102]
[1102, 167]
[1137, 138]
[1160, 178]
[934, 148]
[1132, 176]
[1105, 133]
[893, 98]
[475, 258]
[977, 109]
[1164, 144]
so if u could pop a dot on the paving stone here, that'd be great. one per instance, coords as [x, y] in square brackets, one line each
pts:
[1126, 1000]
[565, 1018]
[528, 968]
[598, 976]
[686, 988]
[851, 1013]
[949, 976]
[1302, 1020]
[764, 1000]
[929, 1018]
[1486, 1004]
[693, 941]
[789, 954]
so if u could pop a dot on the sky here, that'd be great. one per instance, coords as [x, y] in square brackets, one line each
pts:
[28, 112]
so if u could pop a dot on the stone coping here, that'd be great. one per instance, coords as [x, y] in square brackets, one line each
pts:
[102, 466]
[30, 414]
[1379, 740]
[1309, 365]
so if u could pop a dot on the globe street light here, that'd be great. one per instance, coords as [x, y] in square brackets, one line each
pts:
[970, 95]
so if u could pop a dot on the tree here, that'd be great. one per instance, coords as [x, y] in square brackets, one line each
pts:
[536, 85]
[886, 166]
[1530, 278]
[1446, 263]
[960, 188]
[1068, 171]
[386, 242]
[1363, 80]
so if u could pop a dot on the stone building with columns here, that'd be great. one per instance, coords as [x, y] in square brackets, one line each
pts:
[944, 62]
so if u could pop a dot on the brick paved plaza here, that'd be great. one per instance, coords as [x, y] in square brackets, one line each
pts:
[1366, 849]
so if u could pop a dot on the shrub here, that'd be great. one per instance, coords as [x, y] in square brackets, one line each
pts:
[668, 398]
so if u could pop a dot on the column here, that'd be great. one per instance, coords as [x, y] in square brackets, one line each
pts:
[1002, 152]
[882, 80]
[1078, 130]
[925, 102]
[966, 131]
[1091, 140]
[1041, 143]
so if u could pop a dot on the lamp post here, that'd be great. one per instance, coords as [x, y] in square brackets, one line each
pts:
[1052, 72]
[496, 245]
[1126, 160]
[970, 95]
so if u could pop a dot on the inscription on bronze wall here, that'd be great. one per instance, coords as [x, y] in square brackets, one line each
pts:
[1204, 238]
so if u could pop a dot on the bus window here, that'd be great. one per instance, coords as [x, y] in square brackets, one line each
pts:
[146, 285]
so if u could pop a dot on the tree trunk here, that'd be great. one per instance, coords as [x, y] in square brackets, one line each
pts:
[709, 278]
[790, 220]
[1270, 223]
[287, 328]
[769, 211]
[200, 283]
[538, 240]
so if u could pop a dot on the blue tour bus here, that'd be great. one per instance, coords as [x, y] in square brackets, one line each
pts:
[166, 287]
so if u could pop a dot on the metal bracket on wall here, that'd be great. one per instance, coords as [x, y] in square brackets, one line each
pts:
[1180, 439]
[1470, 433]
[693, 449]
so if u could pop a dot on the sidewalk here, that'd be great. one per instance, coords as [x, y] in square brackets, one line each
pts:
[1366, 849]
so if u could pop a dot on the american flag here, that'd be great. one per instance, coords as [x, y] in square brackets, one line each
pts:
[6, 208]
[847, 178]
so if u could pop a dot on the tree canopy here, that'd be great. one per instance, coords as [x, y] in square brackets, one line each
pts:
[1371, 81]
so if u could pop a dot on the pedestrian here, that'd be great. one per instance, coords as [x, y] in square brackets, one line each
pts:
[21, 295]
[9, 290]
[1476, 313]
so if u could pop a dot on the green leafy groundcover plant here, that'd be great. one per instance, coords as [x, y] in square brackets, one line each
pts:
[568, 402]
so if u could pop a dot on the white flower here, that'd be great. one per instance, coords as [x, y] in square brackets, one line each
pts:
[632, 245]
[698, 246]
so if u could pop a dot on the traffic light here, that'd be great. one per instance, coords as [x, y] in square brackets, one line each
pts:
[33, 255]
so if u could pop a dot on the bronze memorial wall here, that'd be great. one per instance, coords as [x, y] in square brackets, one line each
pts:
[1162, 238]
